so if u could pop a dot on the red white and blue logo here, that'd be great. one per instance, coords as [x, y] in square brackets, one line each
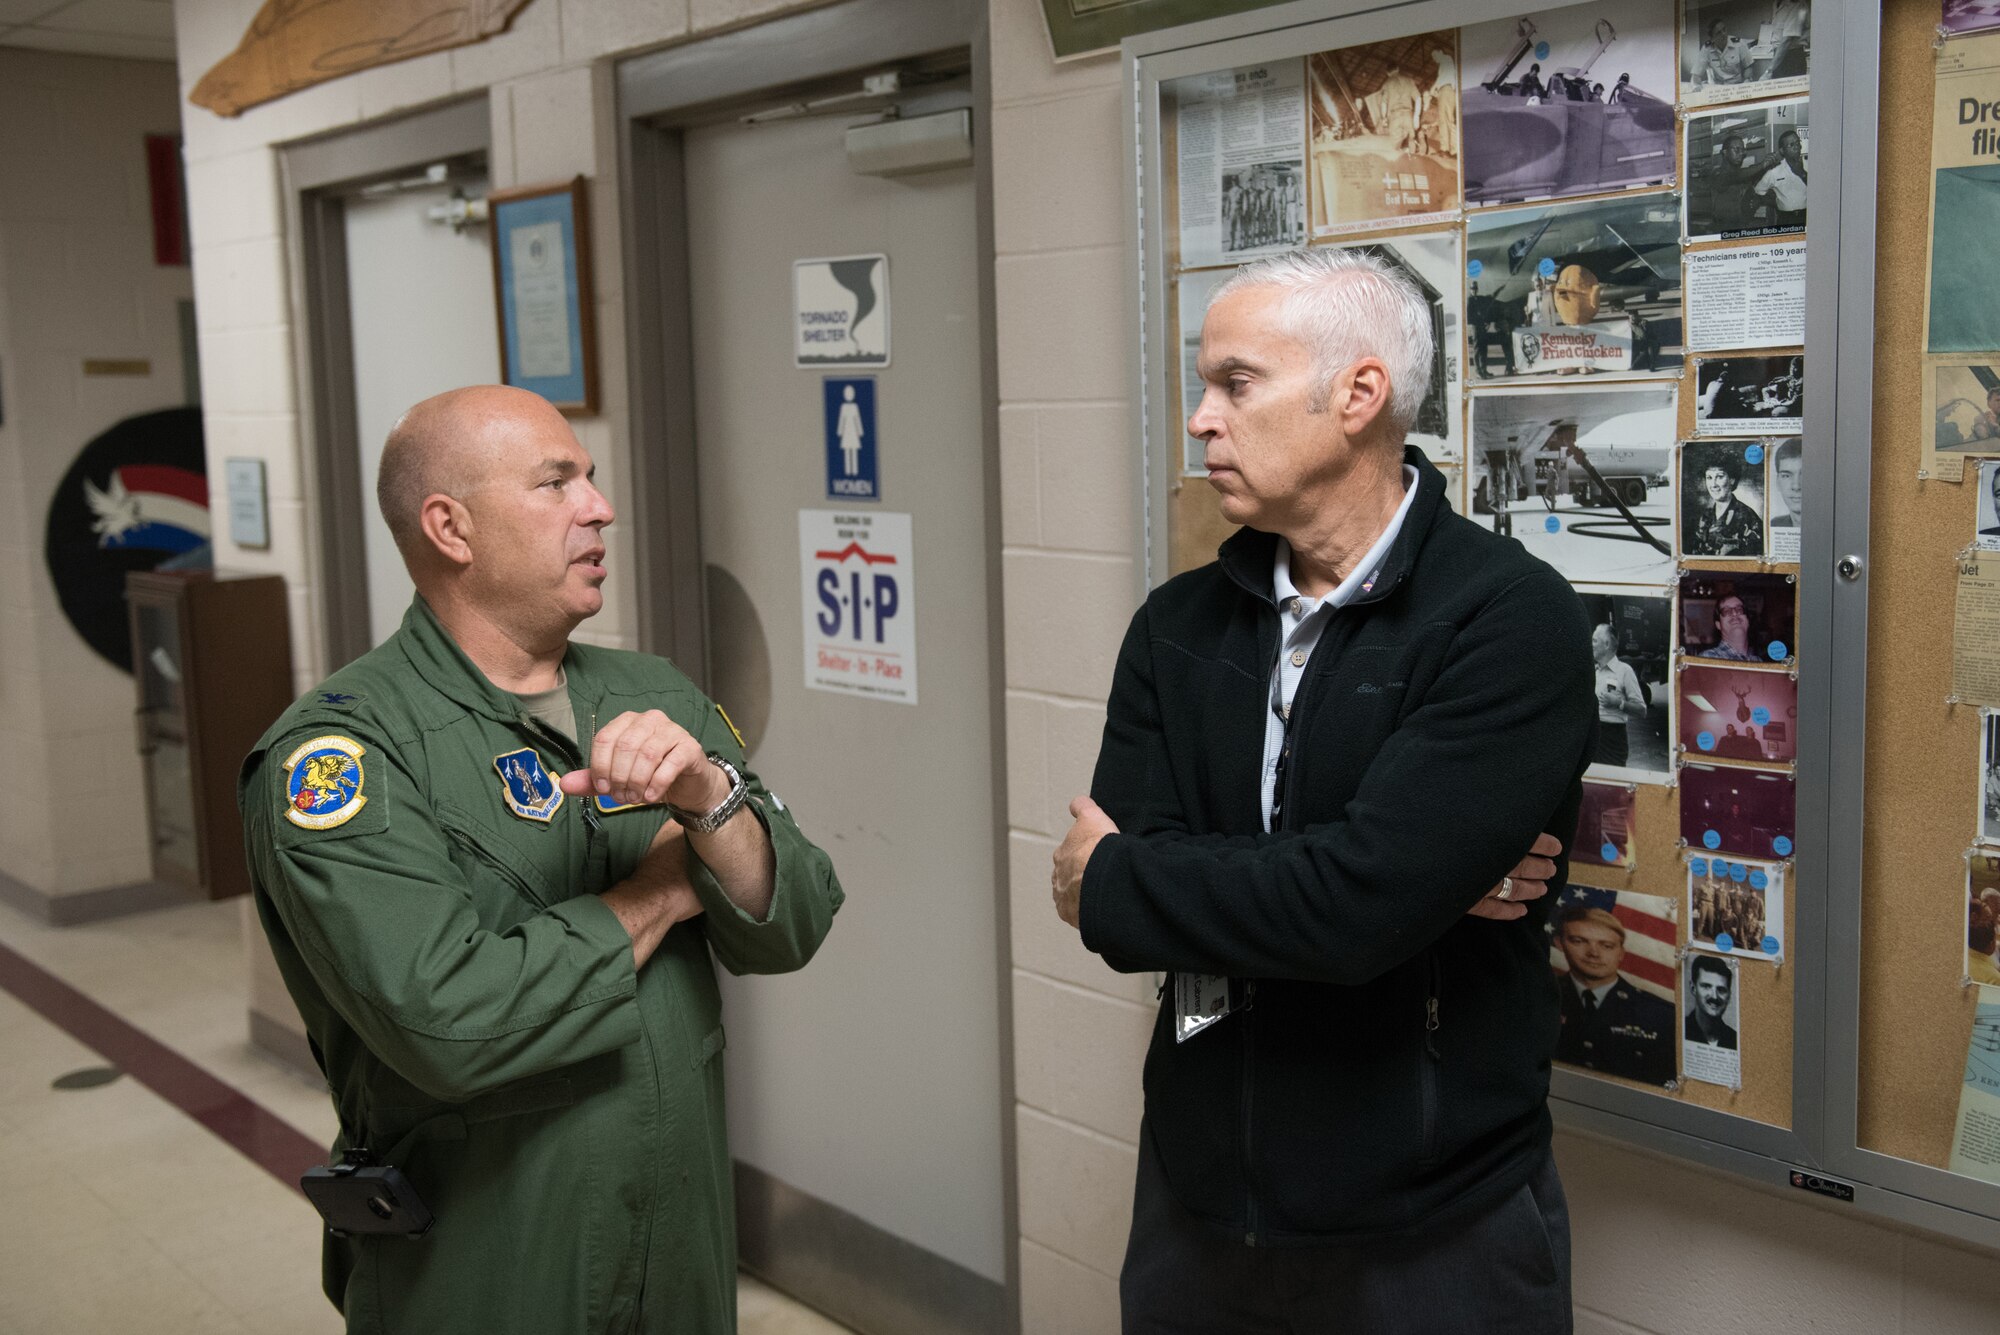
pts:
[135, 499]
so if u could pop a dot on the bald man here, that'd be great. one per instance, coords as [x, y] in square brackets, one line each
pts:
[495, 867]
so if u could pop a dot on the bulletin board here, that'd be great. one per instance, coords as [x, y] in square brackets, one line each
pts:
[1838, 1064]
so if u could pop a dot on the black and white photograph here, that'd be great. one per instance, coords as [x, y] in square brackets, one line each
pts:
[1385, 133]
[1965, 406]
[1738, 713]
[1711, 1050]
[1749, 396]
[1431, 262]
[1263, 207]
[1606, 826]
[1581, 477]
[1746, 172]
[1737, 49]
[1987, 539]
[1631, 638]
[1738, 812]
[1612, 952]
[1722, 500]
[1739, 618]
[1989, 776]
[1737, 906]
[1788, 496]
[1574, 289]
[1569, 101]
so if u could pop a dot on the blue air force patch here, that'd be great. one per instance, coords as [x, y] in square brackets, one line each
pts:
[323, 784]
[530, 790]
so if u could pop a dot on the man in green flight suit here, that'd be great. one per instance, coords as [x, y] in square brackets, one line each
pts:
[493, 865]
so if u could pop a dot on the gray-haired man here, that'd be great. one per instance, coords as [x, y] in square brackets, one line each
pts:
[1321, 753]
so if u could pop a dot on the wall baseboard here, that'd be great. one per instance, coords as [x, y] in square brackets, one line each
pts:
[856, 1273]
[92, 905]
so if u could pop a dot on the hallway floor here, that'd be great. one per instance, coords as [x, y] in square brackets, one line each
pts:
[126, 1212]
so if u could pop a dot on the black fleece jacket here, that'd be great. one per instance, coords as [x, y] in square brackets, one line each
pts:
[1390, 1074]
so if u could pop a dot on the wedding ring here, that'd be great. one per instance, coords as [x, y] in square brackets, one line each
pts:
[1506, 888]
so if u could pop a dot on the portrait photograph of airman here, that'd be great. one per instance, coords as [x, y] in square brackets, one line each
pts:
[1722, 499]
[1613, 954]
[1710, 1048]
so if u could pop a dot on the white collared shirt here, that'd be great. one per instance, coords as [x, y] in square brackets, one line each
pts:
[1302, 619]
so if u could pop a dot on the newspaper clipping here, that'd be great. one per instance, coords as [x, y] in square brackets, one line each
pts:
[1737, 49]
[1746, 171]
[1747, 297]
[1569, 101]
[1385, 133]
[1574, 289]
[1975, 1136]
[1710, 1049]
[1965, 157]
[1240, 140]
[1750, 396]
[1196, 288]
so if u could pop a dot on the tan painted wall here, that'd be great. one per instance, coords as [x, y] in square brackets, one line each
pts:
[77, 280]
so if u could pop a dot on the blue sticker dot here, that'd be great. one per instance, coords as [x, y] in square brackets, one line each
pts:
[1754, 454]
[1541, 50]
[1782, 846]
[1724, 941]
[1758, 880]
[1779, 652]
[1547, 268]
[1609, 852]
[1738, 872]
[1705, 740]
[1711, 840]
[1552, 524]
[1760, 716]
[1474, 268]
[1699, 866]
[1770, 945]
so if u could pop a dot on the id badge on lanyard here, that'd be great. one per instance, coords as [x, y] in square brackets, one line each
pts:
[1200, 999]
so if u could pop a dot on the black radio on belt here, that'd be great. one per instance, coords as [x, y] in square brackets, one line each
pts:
[359, 1195]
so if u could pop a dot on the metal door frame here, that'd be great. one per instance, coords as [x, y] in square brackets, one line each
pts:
[855, 1270]
[316, 178]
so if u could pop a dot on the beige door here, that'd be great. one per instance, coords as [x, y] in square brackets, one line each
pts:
[871, 1080]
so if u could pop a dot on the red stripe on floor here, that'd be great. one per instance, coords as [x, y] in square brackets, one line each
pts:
[261, 1136]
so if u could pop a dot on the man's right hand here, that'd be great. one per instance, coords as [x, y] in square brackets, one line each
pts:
[656, 895]
[1529, 880]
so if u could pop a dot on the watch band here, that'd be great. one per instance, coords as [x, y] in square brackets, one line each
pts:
[695, 822]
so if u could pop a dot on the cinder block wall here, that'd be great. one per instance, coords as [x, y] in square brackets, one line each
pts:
[1662, 1248]
[77, 281]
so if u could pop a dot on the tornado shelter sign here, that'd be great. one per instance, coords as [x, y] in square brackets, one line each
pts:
[841, 311]
[860, 597]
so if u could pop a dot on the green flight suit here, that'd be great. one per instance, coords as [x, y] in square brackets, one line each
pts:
[473, 1002]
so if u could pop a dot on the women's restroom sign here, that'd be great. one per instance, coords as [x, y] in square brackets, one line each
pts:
[840, 311]
[851, 473]
[859, 592]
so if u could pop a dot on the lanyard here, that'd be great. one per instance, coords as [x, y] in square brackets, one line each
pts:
[1284, 762]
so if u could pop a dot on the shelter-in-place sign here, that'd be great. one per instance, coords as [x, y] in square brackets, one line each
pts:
[859, 594]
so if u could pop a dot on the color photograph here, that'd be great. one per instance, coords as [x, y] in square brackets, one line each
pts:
[1612, 952]
[1742, 812]
[1574, 288]
[1605, 827]
[1384, 133]
[1733, 713]
[1569, 101]
[1737, 907]
[1739, 618]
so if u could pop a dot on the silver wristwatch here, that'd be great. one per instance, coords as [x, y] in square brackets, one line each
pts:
[696, 823]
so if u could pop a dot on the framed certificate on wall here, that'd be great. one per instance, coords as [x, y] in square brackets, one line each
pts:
[542, 287]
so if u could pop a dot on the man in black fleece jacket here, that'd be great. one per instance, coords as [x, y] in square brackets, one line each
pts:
[1322, 751]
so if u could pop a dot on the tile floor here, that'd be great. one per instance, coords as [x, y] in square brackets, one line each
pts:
[122, 1212]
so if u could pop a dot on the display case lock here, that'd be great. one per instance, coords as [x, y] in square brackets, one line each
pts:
[1850, 568]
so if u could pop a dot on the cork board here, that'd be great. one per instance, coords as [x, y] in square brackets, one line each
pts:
[1922, 756]
[1765, 992]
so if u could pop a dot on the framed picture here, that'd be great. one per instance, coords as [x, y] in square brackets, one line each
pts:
[1090, 27]
[542, 289]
